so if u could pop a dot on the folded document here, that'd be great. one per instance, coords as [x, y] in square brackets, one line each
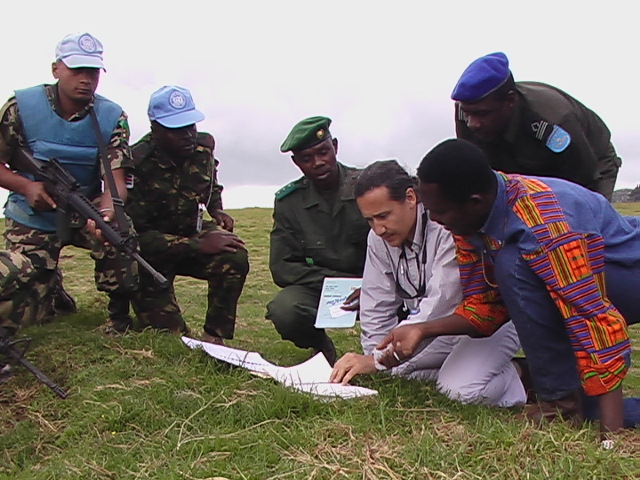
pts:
[311, 376]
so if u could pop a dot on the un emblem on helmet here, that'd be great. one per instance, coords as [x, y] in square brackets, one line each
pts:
[87, 43]
[177, 100]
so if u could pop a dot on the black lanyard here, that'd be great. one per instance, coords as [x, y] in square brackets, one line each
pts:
[421, 262]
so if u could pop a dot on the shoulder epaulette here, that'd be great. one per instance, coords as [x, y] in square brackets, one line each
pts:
[287, 189]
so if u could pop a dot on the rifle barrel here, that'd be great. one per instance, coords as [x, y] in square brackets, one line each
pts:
[12, 352]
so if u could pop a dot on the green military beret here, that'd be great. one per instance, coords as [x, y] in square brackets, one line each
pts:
[306, 134]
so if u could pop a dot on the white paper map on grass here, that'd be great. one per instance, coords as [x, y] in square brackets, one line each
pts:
[334, 292]
[311, 376]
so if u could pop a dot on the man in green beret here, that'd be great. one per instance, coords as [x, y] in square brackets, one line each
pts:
[317, 232]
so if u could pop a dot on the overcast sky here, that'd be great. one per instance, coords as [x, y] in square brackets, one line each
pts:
[383, 71]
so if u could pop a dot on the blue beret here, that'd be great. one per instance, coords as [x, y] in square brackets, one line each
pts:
[482, 77]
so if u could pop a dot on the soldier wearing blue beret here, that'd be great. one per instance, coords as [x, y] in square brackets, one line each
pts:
[318, 232]
[533, 128]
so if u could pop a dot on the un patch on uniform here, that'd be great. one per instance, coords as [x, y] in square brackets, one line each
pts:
[559, 139]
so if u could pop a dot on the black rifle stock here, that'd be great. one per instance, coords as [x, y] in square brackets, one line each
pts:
[9, 348]
[65, 191]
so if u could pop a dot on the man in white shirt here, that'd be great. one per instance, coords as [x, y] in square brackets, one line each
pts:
[411, 261]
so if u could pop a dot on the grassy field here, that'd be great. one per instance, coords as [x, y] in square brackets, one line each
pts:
[143, 406]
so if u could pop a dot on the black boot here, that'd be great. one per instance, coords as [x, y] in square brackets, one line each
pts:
[328, 349]
[63, 303]
[119, 320]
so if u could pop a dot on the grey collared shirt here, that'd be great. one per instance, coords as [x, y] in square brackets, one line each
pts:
[379, 300]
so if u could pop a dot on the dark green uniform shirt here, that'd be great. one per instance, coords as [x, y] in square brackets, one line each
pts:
[164, 198]
[310, 240]
[590, 159]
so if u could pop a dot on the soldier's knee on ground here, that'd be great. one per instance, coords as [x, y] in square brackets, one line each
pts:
[15, 270]
[25, 308]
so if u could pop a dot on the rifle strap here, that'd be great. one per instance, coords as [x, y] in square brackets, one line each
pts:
[118, 204]
[126, 278]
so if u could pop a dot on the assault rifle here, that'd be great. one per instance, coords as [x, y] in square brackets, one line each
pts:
[65, 191]
[14, 350]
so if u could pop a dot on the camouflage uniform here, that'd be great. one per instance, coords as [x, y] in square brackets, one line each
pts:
[28, 268]
[310, 241]
[164, 204]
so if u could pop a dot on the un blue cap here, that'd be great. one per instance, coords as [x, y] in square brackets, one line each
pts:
[482, 77]
[172, 107]
[80, 50]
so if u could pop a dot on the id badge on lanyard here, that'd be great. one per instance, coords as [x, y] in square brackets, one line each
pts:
[201, 210]
[413, 305]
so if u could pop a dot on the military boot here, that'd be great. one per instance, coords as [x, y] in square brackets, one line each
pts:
[328, 349]
[63, 303]
[208, 338]
[119, 320]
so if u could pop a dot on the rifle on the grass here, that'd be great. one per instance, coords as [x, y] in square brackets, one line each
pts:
[14, 350]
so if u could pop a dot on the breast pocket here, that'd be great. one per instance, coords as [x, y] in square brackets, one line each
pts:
[312, 244]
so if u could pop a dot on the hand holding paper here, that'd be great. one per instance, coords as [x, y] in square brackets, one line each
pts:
[352, 303]
[339, 302]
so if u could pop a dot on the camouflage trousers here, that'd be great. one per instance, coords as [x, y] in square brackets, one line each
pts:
[225, 274]
[29, 277]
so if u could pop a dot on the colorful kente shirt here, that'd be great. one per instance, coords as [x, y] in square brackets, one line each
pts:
[566, 235]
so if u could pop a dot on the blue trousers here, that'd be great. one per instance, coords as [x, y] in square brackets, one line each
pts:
[542, 333]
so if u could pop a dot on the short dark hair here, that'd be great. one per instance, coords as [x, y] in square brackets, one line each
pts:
[385, 173]
[460, 169]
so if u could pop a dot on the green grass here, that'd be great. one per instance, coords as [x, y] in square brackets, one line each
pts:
[143, 406]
